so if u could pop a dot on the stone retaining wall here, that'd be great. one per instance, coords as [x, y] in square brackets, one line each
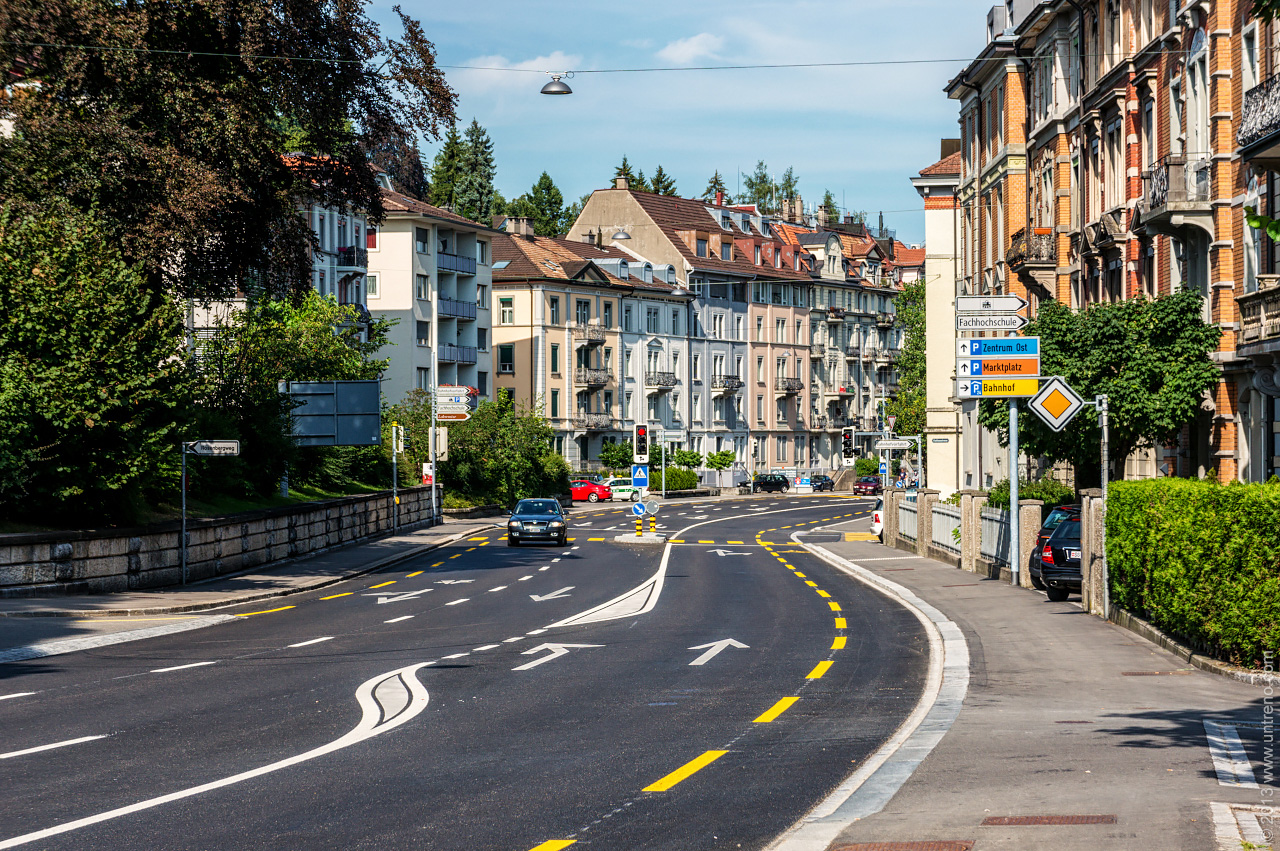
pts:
[103, 561]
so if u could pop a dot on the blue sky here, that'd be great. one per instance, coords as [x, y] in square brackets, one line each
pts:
[861, 132]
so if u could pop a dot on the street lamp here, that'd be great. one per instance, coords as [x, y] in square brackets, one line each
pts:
[556, 87]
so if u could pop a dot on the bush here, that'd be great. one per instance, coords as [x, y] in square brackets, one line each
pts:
[869, 466]
[677, 480]
[1200, 561]
[1052, 493]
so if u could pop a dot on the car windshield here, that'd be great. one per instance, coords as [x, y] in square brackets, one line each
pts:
[1057, 516]
[1068, 530]
[537, 506]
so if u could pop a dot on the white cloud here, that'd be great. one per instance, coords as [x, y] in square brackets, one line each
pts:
[503, 74]
[686, 50]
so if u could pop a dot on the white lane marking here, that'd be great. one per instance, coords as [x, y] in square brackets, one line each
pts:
[485, 647]
[554, 595]
[714, 648]
[401, 618]
[524, 578]
[456, 602]
[535, 632]
[557, 650]
[544, 567]
[71, 645]
[12, 754]
[513, 638]
[312, 641]
[182, 667]
[16, 694]
[453, 581]
[455, 656]
[1230, 762]
[388, 700]
[499, 588]
[554, 560]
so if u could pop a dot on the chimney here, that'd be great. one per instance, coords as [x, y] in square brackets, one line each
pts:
[719, 199]
[621, 182]
[520, 226]
[589, 238]
[822, 215]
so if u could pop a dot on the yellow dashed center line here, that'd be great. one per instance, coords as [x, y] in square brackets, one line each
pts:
[809, 582]
[266, 612]
[383, 585]
[336, 596]
[835, 607]
[455, 555]
[437, 564]
[822, 593]
[475, 539]
[555, 844]
[838, 643]
[777, 709]
[841, 623]
[816, 673]
[415, 573]
[685, 771]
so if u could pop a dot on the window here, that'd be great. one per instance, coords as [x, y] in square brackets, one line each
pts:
[582, 311]
[779, 330]
[626, 363]
[424, 333]
[320, 285]
[422, 240]
[371, 238]
[626, 317]
[424, 287]
[482, 252]
[675, 362]
[782, 449]
[726, 250]
[697, 368]
[760, 409]
[555, 357]
[702, 248]
[697, 407]
[560, 445]
[654, 360]
[607, 360]
[782, 411]
[424, 379]
[507, 358]
[781, 367]
[757, 255]
[553, 309]
[759, 329]
[371, 286]
[607, 315]
[675, 322]
[482, 296]
[608, 402]
[737, 366]
[628, 405]
[555, 404]
[799, 334]
[482, 383]
[1249, 58]
[506, 311]
[760, 369]
[482, 339]
[653, 321]
[737, 328]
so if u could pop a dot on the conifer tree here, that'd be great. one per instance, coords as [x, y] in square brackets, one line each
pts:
[714, 185]
[447, 169]
[474, 189]
[662, 183]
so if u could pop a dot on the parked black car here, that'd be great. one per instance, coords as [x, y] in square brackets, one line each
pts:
[1060, 560]
[771, 482]
[537, 520]
[1056, 516]
[822, 483]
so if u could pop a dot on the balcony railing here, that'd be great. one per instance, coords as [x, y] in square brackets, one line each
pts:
[1261, 113]
[592, 335]
[851, 352]
[816, 350]
[1032, 249]
[591, 377]
[884, 319]
[353, 257]
[788, 385]
[661, 380]
[727, 383]
[455, 263]
[1260, 312]
[451, 307]
[1177, 179]
[835, 314]
[449, 353]
[592, 422]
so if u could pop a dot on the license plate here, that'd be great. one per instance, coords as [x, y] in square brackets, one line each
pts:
[1073, 554]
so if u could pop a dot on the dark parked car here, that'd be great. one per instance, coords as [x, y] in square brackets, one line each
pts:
[537, 520]
[1060, 560]
[868, 486]
[1056, 516]
[771, 482]
[822, 483]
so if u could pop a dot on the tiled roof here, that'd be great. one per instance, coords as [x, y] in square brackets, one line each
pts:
[560, 259]
[397, 202]
[948, 165]
[904, 256]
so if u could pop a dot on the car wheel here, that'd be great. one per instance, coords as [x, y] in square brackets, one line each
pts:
[1035, 581]
[1057, 595]
[635, 496]
[564, 539]
[593, 497]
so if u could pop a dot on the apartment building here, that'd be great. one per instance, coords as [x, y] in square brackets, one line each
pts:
[430, 270]
[590, 337]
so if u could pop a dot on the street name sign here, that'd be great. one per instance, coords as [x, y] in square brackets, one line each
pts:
[997, 388]
[974, 367]
[989, 303]
[990, 322]
[893, 444]
[214, 447]
[451, 416]
[994, 347]
[1056, 403]
[451, 390]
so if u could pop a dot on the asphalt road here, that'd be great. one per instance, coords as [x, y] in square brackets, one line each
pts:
[481, 725]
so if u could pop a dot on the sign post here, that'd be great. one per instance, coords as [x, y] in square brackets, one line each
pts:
[1015, 512]
[208, 448]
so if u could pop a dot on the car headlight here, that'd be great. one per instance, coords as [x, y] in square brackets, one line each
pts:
[555, 524]
[514, 524]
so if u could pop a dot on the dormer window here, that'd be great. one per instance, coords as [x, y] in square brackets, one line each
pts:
[777, 258]
[726, 222]
[757, 255]
[701, 248]
[746, 224]
[624, 271]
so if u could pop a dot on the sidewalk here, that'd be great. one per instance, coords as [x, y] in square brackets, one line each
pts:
[1067, 715]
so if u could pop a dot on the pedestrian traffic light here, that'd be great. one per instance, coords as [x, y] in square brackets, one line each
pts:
[640, 445]
[846, 442]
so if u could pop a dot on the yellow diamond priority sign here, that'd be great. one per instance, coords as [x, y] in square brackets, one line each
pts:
[1056, 403]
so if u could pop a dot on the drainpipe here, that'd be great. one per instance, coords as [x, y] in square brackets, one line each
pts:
[1080, 149]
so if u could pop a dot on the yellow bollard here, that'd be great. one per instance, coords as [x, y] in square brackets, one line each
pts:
[653, 524]
[639, 526]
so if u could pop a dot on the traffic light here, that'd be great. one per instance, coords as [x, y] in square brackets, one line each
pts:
[847, 449]
[640, 445]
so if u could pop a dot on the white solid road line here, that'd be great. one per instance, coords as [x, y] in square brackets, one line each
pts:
[12, 754]
[1230, 762]
[524, 578]
[485, 647]
[16, 694]
[182, 667]
[401, 618]
[499, 588]
[312, 641]
[88, 642]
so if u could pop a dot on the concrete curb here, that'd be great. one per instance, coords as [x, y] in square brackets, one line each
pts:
[324, 582]
[1136, 625]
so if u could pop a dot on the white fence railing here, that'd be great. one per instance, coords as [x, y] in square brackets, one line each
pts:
[946, 520]
[907, 516]
[995, 535]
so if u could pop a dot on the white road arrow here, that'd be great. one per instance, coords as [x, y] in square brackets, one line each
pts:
[538, 598]
[408, 595]
[453, 581]
[557, 650]
[713, 649]
[723, 553]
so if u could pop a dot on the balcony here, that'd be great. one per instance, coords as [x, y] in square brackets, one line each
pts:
[816, 350]
[449, 353]
[352, 258]
[589, 335]
[1176, 195]
[788, 386]
[852, 352]
[1260, 318]
[724, 384]
[660, 382]
[591, 377]
[1032, 249]
[885, 320]
[1259, 135]
[835, 314]
[455, 263]
[452, 308]
[592, 422]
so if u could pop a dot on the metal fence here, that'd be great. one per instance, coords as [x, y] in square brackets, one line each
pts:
[907, 516]
[946, 520]
[995, 535]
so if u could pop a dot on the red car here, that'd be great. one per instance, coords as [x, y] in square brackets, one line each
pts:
[590, 491]
[868, 486]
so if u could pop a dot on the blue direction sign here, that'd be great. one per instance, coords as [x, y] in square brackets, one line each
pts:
[992, 347]
[638, 509]
[640, 475]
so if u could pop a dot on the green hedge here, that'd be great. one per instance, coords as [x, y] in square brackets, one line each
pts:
[1052, 493]
[677, 479]
[1199, 560]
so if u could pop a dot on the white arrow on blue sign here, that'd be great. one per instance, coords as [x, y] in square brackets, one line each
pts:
[640, 475]
[638, 509]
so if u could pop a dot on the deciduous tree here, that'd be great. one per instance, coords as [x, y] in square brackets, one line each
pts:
[759, 188]
[909, 405]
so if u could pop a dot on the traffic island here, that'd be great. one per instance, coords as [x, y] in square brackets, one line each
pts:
[643, 540]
